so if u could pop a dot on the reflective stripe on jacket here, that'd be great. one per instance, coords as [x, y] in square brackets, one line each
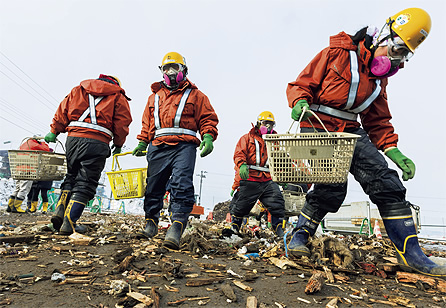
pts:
[338, 85]
[169, 121]
[251, 149]
[84, 114]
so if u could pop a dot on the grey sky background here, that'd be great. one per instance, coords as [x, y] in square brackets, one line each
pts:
[241, 54]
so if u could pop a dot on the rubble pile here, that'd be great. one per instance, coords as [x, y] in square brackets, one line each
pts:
[109, 267]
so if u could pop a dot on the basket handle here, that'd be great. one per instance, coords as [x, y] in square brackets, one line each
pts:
[115, 162]
[40, 138]
[300, 119]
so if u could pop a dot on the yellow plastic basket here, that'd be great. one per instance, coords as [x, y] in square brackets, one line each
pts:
[129, 183]
[319, 158]
[37, 165]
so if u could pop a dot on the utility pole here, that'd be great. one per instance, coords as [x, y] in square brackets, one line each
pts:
[201, 175]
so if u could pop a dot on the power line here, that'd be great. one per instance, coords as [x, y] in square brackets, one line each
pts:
[31, 125]
[27, 84]
[15, 124]
[20, 114]
[50, 108]
[29, 77]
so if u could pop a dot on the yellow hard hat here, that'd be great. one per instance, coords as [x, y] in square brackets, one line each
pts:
[411, 25]
[173, 57]
[266, 116]
[117, 79]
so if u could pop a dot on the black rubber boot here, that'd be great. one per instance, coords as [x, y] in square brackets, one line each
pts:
[400, 228]
[305, 227]
[278, 225]
[72, 214]
[17, 206]
[57, 218]
[236, 224]
[10, 204]
[150, 229]
[176, 229]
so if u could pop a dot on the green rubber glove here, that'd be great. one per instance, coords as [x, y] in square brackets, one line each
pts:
[404, 163]
[50, 137]
[232, 193]
[297, 110]
[244, 171]
[208, 145]
[116, 150]
[140, 148]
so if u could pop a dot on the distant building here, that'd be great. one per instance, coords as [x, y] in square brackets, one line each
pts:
[5, 171]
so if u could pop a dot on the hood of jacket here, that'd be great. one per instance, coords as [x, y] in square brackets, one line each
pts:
[101, 88]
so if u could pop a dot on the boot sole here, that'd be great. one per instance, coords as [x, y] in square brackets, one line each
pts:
[141, 234]
[171, 245]
[57, 222]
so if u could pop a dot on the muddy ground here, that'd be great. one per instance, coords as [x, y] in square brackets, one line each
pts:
[115, 268]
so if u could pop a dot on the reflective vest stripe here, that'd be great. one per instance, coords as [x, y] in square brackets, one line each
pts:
[334, 112]
[176, 130]
[355, 80]
[369, 100]
[93, 102]
[348, 113]
[91, 126]
[257, 165]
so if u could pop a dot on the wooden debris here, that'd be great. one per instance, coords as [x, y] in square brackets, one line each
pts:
[400, 301]
[329, 274]
[80, 239]
[315, 283]
[171, 289]
[435, 283]
[332, 303]
[242, 286]
[228, 292]
[17, 239]
[383, 302]
[202, 281]
[211, 266]
[303, 300]
[141, 298]
[155, 297]
[282, 262]
[124, 264]
[251, 302]
[388, 267]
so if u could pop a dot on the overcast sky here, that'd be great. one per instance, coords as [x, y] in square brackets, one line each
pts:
[241, 54]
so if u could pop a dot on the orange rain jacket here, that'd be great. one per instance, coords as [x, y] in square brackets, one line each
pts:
[245, 152]
[113, 112]
[326, 81]
[237, 179]
[198, 114]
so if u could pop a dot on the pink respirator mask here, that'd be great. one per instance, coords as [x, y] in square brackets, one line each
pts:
[172, 73]
[397, 53]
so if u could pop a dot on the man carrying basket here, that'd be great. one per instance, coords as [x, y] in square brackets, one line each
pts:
[348, 79]
[175, 112]
[250, 158]
[94, 113]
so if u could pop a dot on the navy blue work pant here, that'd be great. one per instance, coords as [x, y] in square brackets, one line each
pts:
[249, 192]
[85, 161]
[173, 164]
[370, 169]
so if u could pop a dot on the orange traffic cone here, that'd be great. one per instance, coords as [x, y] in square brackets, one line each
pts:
[228, 217]
[377, 230]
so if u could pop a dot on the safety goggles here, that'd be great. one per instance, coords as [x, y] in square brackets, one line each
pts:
[397, 49]
[176, 67]
[268, 123]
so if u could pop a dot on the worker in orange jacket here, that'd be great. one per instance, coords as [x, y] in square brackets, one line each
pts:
[175, 112]
[250, 158]
[94, 113]
[346, 82]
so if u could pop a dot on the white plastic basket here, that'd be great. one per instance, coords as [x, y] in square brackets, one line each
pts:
[319, 158]
[294, 202]
[37, 165]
